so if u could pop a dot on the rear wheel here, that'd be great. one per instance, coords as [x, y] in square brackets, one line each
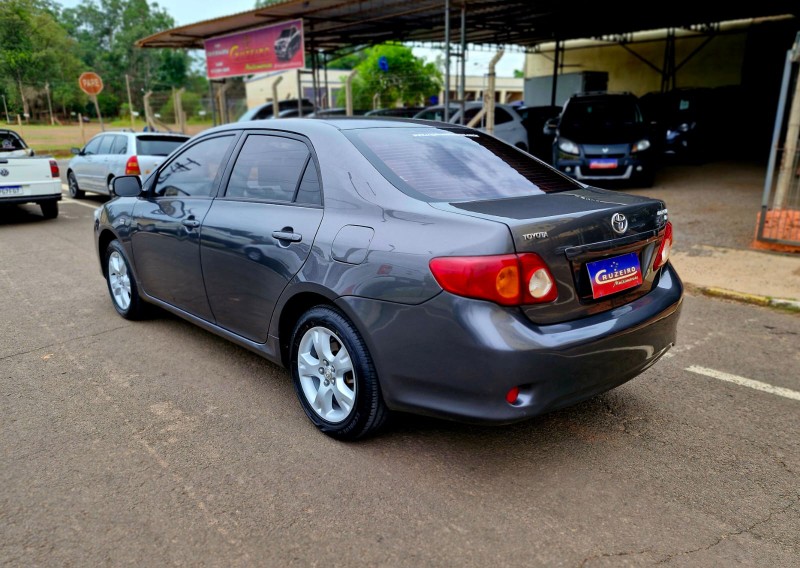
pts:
[122, 284]
[75, 192]
[49, 209]
[334, 376]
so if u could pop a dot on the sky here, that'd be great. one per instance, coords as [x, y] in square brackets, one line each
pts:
[191, 11]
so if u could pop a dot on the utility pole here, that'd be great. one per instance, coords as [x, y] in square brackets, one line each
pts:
[49, 103]
[130, 100]
[5, 108]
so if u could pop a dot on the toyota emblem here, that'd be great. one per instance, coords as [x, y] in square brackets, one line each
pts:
[4, 172]
[619, 223]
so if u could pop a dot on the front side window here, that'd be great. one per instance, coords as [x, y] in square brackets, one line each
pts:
[453, 164]
[268, 168]
[195, 171]
[93, 146]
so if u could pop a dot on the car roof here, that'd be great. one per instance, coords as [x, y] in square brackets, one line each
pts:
[320, 125]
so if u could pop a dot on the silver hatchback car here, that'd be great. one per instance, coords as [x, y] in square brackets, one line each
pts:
[113, 154]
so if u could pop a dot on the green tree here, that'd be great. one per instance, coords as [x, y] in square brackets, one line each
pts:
[406, 79]
[35, 50]
[106, 32]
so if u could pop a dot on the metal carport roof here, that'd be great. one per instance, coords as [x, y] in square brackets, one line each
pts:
[334, 24]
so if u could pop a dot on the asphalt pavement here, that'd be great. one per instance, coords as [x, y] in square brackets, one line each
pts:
[151, 443]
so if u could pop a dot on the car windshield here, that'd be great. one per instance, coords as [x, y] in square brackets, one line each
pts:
[286, 33]
[606, 113]
[157, 145]
[434, 164]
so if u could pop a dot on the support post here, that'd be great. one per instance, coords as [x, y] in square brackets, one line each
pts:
[49, 104]
[99, 117]
[148, 112]
[5, 108]
[213, 103]
[462, 83]
[130, 100]
[276, 107]
[348, 91]
[446, 60]
[488, 97]
[554, 90]
[299, 93]
[327, 90]
[83, 133]
[181, 116]
[787, 169]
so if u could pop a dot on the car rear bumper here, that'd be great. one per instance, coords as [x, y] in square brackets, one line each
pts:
[457, 358]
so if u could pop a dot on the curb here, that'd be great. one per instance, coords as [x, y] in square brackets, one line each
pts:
[753, 299]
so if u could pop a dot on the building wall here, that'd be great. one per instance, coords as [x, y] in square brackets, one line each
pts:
[717, 64]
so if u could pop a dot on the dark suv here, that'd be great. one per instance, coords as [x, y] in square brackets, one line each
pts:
[603, 137]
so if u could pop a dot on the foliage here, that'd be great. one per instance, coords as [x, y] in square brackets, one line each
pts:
[191, 105]
[408, 80]
[34, 50]
[349, 60]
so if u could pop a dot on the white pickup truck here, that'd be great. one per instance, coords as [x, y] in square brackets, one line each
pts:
[25, 178]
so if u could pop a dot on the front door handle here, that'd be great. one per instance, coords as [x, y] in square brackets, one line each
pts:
[191, 223]
[287, 236]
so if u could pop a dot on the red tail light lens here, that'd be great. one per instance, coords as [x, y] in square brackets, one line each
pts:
[54, 173]
[132, 167]
[508, 279]
[662, 256]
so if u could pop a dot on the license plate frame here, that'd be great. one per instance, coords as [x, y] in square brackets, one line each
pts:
[614, 274]
[604, 164]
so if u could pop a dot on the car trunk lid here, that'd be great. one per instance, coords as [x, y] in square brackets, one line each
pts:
[572, 229]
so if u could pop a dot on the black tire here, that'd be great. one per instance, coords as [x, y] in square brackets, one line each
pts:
[368, 412]
[136, 308]
[49, 209]
[75, 192]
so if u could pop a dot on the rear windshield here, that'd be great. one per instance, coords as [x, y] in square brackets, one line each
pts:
[609, 112]
[158, 145]
[455, 164]
[10, 142]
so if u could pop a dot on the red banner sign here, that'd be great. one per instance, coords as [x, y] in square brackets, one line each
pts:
[271, 48]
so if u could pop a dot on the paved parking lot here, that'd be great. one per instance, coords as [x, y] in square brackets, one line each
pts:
[157, 443]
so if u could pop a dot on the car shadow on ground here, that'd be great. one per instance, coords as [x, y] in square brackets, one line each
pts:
[18, 215]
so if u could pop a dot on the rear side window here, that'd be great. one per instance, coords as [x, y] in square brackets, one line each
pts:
[120, 145]
[10, 142]
[268, 168]
[195, 171]
[157, 145]
[436, 164]
[105, 144]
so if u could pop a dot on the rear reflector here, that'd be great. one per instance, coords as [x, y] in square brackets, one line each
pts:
[54, 173]
[507, 279]
[662, 256]
[512, 395]
[132, 167]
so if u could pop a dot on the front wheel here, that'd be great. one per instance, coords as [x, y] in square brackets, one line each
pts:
[334, 376]
[122, 284]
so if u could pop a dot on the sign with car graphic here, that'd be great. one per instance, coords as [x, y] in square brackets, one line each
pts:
[271, 48]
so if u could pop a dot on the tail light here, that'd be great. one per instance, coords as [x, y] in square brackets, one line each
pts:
[132, 167]
[54, 169]
[662, 256]
[508, 279]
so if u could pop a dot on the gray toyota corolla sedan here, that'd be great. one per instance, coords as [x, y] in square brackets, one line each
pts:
[397, 266]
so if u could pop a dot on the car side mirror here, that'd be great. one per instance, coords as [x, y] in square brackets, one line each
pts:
[127, 186]
[551, 126]
[76, 151]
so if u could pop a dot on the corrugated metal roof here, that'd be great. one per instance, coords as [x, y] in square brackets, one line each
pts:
[334, 24]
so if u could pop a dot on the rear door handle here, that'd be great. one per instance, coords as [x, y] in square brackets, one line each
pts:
[191, 223]
[287, 236]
